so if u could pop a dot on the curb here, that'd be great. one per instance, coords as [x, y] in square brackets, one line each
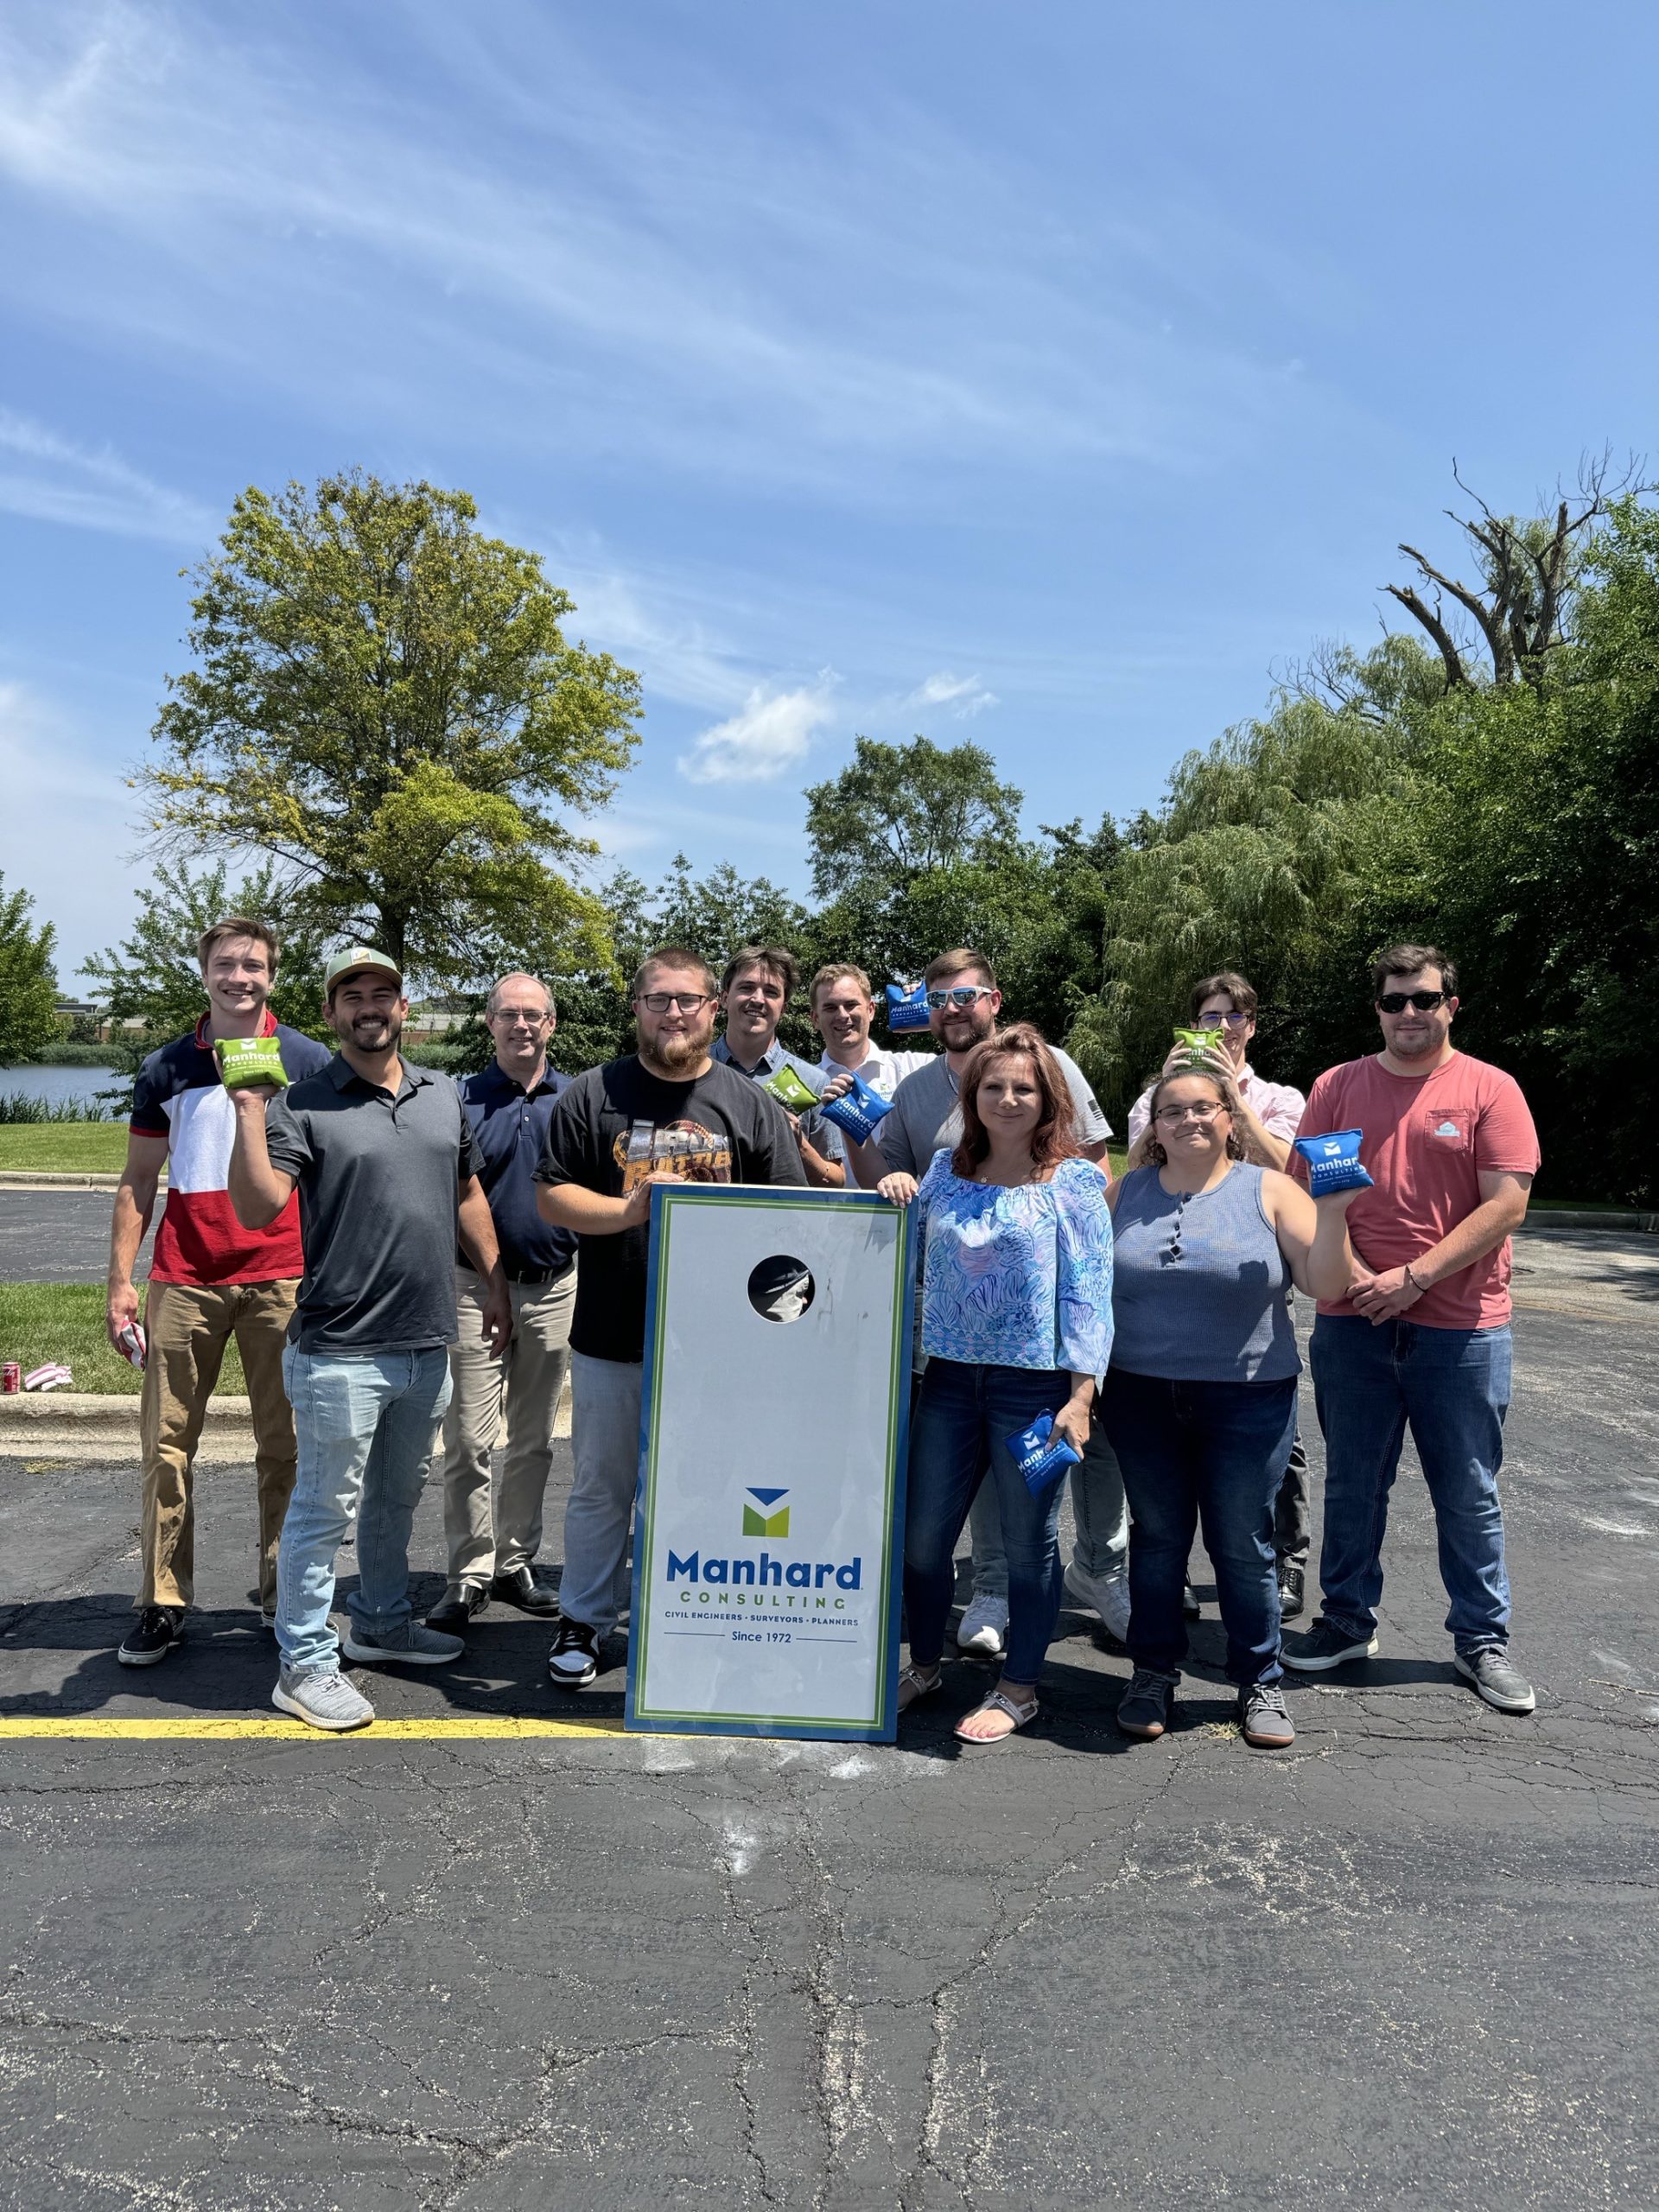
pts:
[53, 1179]
[95, 1427]
[1565, 1219]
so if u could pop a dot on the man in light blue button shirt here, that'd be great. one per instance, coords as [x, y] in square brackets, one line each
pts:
[754, 995]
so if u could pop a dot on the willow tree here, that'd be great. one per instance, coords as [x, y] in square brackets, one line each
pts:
[384, 706]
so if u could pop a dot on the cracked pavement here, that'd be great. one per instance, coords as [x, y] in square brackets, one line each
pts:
[1411, 1963]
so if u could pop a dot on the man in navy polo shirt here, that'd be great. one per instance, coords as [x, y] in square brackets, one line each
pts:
[492, 1543]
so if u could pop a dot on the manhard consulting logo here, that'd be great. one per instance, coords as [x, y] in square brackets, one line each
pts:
[766, 1523]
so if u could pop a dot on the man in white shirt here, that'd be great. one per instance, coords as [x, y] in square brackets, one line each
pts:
[963, 1002]
[1270, 1115]
[842, 1007]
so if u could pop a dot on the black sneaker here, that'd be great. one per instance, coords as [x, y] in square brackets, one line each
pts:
[517, 1586]
[1263, 1717]
[1290, 1590]
[159, 1627]
[574, 1660]
[1495, 1679]
[1146, 1706]
[457, 1610]
[1324, 1646]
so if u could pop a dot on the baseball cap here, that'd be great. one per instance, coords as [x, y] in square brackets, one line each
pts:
[354, 961]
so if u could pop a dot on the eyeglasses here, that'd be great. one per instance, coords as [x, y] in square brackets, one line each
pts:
[963, 995]
[1397, 1001]
[532, 1017]
[681, 1001]
[1215, 1020]
[1206, 1110]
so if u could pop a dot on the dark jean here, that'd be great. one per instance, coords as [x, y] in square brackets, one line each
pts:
[1453, 1387]
[1213, 1452]
[965, 1417]
[1292, 1524]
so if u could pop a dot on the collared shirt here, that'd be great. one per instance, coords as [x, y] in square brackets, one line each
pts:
[378, 1180]
[1278, 1106]
[180, 1097]
[883, 1071]
[824, 1136]
[510, 1126]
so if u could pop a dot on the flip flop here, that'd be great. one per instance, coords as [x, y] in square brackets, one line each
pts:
[916, 1682]
[1021, 1715]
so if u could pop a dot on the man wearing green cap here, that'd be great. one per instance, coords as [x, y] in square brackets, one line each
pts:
[386, 1163]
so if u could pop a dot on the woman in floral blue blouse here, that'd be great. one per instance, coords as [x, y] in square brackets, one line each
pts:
[1016, 1323]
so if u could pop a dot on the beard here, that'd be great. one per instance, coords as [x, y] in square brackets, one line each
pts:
[962, 1031]
[677, 1054]
[371, 1032]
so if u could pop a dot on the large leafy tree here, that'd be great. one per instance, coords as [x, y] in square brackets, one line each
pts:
[153, 975]
[897, 811]
[384, 706]
[28, 985]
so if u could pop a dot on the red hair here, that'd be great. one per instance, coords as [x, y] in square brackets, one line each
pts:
[1054, 1137]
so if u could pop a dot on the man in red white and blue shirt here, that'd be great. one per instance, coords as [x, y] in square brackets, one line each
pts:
[210, 1279]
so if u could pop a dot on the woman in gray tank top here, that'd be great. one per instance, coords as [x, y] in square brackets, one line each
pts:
[1200, 1401]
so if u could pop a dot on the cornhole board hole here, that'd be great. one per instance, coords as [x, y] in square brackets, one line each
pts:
[775, 1420]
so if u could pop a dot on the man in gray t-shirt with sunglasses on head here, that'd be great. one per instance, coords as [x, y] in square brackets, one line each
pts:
[962, 1004]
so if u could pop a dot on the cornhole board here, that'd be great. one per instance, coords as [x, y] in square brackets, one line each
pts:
[769, 1530]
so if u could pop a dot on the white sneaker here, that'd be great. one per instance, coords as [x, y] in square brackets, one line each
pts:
[984, 1626]
[1106, 1595]
[322, 1696]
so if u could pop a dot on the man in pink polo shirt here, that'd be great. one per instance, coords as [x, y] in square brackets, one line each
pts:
[1423, 1336]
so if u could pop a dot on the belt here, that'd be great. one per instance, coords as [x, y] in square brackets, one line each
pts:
[529, 1278]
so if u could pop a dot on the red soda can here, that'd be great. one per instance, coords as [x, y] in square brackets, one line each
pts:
[11, 1377]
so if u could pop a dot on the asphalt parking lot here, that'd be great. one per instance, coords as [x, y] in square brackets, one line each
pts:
[1412, 1963]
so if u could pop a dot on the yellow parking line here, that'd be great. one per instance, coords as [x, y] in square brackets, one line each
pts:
[200, 1728]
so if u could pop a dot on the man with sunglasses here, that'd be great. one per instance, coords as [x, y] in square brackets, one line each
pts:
[668, 1113]
[1422, 1338]
[1269, 1114]
[962, 1004]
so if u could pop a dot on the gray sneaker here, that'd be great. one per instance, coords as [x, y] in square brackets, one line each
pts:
[1105, 1594]
[322, 1697]
[1147, 1707]
[412, 1645]
[1495, 1679]
[1263, 1717]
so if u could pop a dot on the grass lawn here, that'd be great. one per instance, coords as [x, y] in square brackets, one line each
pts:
[64, 1321]
[72, 1147]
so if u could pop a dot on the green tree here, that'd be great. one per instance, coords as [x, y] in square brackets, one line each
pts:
[384, 704]
[153, 975]
[896, 811]
[29, 983]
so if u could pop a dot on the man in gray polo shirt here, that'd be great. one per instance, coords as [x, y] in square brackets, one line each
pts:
[962, 1004]
[385, 1164]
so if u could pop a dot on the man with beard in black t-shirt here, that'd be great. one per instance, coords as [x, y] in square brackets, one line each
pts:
[669, 1113]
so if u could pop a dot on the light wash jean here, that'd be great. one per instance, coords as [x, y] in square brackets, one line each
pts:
[1099, 1508]
[605, 1397]
[366, 1427]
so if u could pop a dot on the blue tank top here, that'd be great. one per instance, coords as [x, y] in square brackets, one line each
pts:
[1200, 1290]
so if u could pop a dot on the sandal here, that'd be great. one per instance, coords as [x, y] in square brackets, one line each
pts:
[918, 1684]
[1021, 1715]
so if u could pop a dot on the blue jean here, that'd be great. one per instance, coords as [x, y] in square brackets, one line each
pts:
[960, 1434]
[366, 1427]
[1210, 1453]
[1453, 1387]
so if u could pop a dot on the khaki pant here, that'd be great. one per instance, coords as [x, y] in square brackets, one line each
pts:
[189, 1327]
[488, 1536]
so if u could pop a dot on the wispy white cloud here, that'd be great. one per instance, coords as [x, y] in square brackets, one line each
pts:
[51, 479]
[961, 696]
[875, 295]
[771, 733]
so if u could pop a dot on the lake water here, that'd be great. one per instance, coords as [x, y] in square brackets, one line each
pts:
[58, 1084]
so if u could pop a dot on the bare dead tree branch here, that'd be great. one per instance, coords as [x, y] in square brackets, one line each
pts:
[1414, 605]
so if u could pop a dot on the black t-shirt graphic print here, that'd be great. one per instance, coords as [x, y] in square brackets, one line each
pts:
[615, 1126]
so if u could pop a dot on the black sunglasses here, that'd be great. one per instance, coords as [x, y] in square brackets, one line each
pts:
[1425, 1001]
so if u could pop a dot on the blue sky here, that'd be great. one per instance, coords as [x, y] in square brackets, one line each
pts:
[1045, 376]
